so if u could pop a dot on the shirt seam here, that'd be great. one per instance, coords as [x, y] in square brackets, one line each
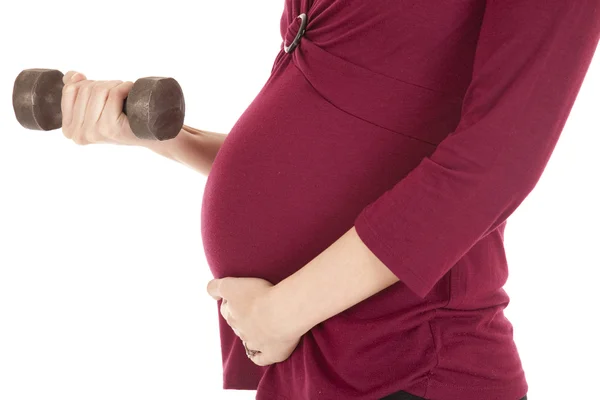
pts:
[437, 353]
[356, 116]
[450, 95]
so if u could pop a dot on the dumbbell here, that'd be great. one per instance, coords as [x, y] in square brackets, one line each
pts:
[154, 107]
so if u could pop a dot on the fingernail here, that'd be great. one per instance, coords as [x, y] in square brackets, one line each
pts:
[75, 76]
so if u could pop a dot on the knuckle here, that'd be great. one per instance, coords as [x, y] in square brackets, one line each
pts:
[98, 90]
[87, 86]
[84, 90]
[102, 126]
[104, 131]
[94, 138]
[114, 93]
[82, 138]
[67, 76]
[102, 93]
[105, 124]
[69, 88]
[113, 98]
[88, 129]
[65, 123]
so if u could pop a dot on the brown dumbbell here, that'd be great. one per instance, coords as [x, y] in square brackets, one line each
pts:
[154, 107]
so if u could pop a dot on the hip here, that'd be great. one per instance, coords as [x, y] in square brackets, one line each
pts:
[357, 358]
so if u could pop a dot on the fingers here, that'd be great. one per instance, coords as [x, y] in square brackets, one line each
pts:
[97, 101]
[257, 356]
[69, 95]
[81, 102]
[225, 312]
[92, 111]
[237, 333]
[213, 289]
[73, 76]
[114, 102]
[251, 347]
[261, 360]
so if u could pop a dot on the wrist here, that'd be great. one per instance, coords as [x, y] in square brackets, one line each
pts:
[283, 314]
[167, 148]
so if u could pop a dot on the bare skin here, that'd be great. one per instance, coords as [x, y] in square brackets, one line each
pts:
[92, 114]
[270, 319]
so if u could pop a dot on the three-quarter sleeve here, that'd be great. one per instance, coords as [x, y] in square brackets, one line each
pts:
[530, 62]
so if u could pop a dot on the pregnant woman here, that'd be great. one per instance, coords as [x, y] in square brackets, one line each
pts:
[353, 217]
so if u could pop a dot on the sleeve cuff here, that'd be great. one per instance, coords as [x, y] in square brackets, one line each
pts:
[385, 254]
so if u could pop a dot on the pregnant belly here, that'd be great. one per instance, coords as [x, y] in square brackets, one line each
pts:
[291, 177]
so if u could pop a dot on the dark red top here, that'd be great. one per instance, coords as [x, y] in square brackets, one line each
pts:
[424, 124]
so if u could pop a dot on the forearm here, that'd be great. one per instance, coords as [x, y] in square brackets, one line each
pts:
[344, 274]
[192, 147]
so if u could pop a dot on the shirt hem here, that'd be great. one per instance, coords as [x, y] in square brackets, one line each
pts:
[443, 391]
[437, 390]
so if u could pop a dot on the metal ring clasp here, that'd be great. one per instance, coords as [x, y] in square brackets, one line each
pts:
[301, 30]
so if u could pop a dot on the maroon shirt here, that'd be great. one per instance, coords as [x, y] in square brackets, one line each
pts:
[424, 124]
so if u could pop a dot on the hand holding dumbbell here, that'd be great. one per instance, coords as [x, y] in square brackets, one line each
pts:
[99, 111]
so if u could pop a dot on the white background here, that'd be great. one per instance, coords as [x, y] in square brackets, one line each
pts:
[102, 270]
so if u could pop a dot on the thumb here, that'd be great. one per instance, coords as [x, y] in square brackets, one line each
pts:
[73, 76]
[213, 289]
